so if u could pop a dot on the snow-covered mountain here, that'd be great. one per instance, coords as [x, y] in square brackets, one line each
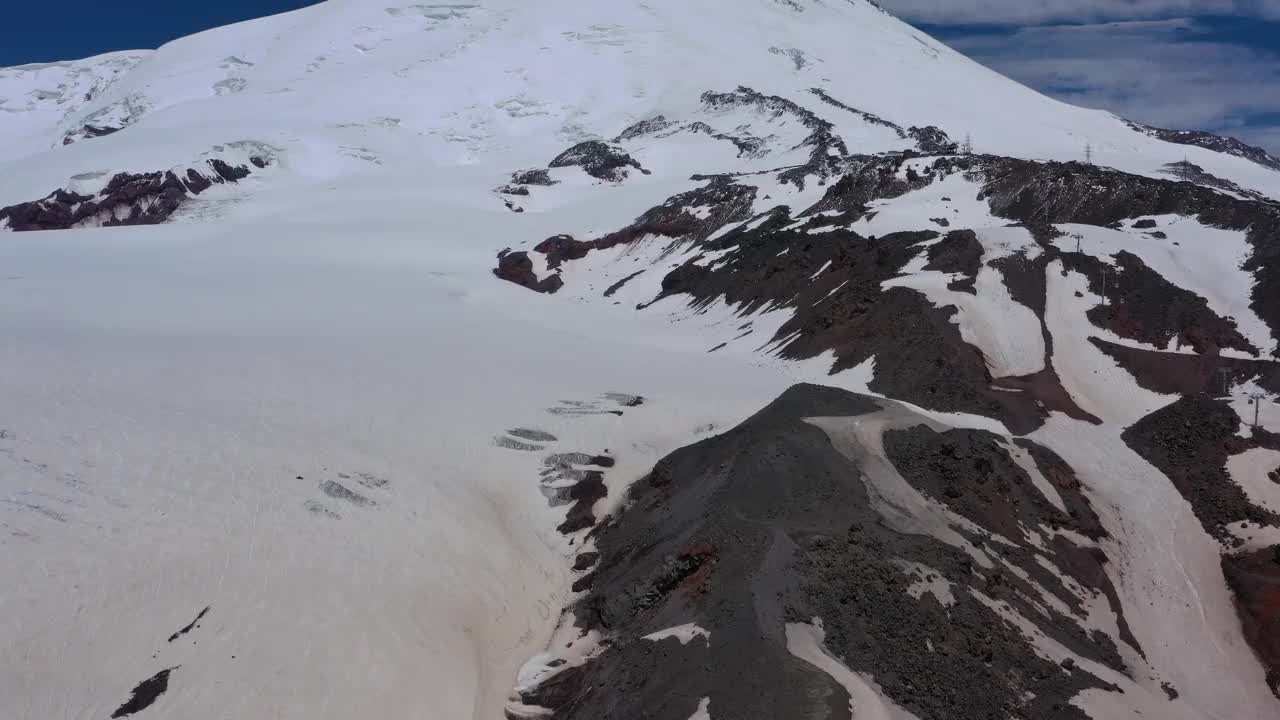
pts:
[625, 359]
[1217, 143]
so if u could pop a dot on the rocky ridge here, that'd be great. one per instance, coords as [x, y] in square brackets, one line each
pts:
[678, 555]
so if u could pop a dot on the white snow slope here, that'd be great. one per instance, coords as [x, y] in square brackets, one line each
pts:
[282, 405]
[347, 84]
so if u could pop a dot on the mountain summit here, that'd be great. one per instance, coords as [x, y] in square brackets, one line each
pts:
[626, 359]
[472, 83]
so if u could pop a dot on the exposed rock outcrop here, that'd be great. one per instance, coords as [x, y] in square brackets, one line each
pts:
[1209, 141]
[826, 148]
[89, 132]
[1189, 441]
[516, 267]
[599, 160]
[774, 535]
[1039, 193]
[1255, 579]
[126, 199]
[931, 140]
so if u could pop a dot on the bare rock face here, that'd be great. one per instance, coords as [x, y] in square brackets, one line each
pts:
[1255, 580]
[1037, 193]
[651, 126]
[867, 117]
[763, 536]
[832, 283]
[88, 132]
[866, 179]
[825, 146]
[532, 177]
[1209, 141]
[1147, 308]
[127, 199]
[750, 536]
[931, 140]
[1190, 441]
[830, 277]
[1190, 172]
[960, 254]
[521, 182]
[516, 267]
[599, 160]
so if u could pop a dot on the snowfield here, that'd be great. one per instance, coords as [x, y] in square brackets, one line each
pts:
[1007, 332]
[347, 84]
[184, 404]
[1191, 255]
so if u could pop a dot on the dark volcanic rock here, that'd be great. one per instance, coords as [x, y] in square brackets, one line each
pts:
[58, 211]
[145, 694]
[1189, 441]
[1145, 307]
[190, 626]
[1025, 279]
[1182, 374]
[920, 355]
[826, 147]
[1194, 173]
[728, 201]
[584, 561]
[866, 179]
[1051, 192]
[1209, 141]
[1255, 580]
[228, 172]
[127, 199]
[651, 126]
[1063, 478]
[958, 253]
[584, 495]
[516, 267]
[338, 491]
[866, 116]
[973, 473]
[533, 177]
[561, 248]
[599, 160]
[1038, 193]
[614, 288]
[748, 146]
[197, 183]
[88, 132]
[831, 279]
[931, 140]
[752, 535]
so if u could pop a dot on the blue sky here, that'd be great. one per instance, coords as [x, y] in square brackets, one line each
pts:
[44, 31]
[1196, 64]
[1186, 64]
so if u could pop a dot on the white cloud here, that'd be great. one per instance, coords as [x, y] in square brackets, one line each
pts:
[1023, 12]
[1167, 72]
[1266, 137]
